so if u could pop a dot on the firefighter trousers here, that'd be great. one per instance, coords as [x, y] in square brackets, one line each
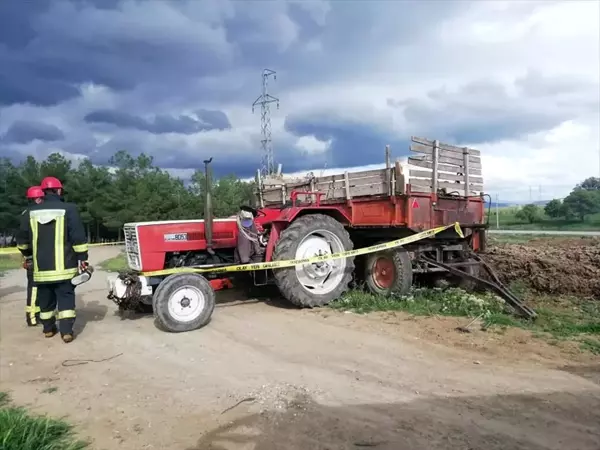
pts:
[32, 307]
[61, 296]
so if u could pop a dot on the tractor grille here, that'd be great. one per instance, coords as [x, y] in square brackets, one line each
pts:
[132, 247]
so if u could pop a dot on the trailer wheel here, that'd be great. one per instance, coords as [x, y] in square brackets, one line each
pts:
[389, 272]
[183, 302]
[316, 284]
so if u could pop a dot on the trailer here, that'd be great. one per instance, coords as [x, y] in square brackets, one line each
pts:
[176, 266]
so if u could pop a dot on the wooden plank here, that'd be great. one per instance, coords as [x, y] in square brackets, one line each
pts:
[448, 147]
[351, 175]
[442, 167]
[341, 184]
[443, 154]
[357, 191]
[460, 192]
[444, 176]
[399, 179]
[347, 186]
[443, 160]
[447, 185]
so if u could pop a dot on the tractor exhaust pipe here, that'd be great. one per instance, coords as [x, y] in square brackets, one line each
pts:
[208, 210]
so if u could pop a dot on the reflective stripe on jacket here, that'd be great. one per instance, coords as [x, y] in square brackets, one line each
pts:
[52, 232]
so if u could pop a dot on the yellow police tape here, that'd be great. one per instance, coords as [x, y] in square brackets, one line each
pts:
[15, 250]
[314, 259]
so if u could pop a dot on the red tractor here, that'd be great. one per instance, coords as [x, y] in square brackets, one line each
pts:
[311, 217]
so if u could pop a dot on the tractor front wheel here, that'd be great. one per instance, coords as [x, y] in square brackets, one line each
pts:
[319, 283]
[389, 272]
[183, 302]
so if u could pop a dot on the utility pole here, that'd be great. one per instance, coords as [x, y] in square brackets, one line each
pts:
[497, 213]
[529, 194]
[264, 100]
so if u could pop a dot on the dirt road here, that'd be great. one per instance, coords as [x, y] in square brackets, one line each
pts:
[305, 380]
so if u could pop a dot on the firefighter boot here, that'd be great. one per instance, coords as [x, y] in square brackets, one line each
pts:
[53, 331]
[67, 338]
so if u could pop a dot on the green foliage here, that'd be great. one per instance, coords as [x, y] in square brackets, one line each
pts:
[134, 189]
[555, 209]
[10, 262]
[583, 202]
[115, 264]
[529, 213]
[590, 184]
[424, 302]
[20, 430]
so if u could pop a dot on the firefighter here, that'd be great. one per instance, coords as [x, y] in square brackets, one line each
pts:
[35, 196]
[53, 234]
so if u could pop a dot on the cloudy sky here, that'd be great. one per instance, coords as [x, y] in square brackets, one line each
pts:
[518, 80]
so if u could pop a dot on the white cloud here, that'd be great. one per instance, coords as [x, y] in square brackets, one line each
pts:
[311, 145]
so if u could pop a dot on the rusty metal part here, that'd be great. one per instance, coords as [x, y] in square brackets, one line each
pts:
[495, 285]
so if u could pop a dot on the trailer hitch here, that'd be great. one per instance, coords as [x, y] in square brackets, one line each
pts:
[495, 285]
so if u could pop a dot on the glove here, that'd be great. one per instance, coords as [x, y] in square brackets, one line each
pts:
[28, 263]
[82, 266]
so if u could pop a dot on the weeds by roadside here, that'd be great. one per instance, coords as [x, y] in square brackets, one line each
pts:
[115, 264]
[21, 430]
[9, 262]
[559, 318]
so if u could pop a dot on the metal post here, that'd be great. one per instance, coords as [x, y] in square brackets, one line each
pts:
[434, 157]
[388, 174]
[208, 212]
[497, 214]
[466, 165]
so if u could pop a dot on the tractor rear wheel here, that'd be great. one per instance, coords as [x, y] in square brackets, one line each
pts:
[183, 302]
[316, 284]
[389, 272]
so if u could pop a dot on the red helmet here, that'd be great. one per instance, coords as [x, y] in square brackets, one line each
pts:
[51, 183]
[35, 192]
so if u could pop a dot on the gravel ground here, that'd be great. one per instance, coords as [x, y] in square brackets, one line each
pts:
[264, 377]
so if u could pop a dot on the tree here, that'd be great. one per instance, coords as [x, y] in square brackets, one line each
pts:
[555, 209]
[132, 189]
[589, 184]
[529, 213]
[583, 202]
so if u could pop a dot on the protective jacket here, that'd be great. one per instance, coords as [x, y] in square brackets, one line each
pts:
[53, 234]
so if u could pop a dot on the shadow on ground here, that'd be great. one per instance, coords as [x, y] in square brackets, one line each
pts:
[590, 372]
[92, 311]
[561, 421]
[5, 292]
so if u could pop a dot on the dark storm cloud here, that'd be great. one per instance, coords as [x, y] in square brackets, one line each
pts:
[24, 131]
[352, 144]
[51, 47]
[205, 120]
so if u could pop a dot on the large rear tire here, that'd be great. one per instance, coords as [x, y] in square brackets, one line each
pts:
[312, 285]
[389, 272]
[183, 302]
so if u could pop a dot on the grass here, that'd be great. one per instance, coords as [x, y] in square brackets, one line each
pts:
[21, 430]
[115, 264]
[559, 319]
[522, 238]
[508, 221]
[10, 262]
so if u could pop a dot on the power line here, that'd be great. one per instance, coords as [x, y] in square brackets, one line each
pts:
[264, 100]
